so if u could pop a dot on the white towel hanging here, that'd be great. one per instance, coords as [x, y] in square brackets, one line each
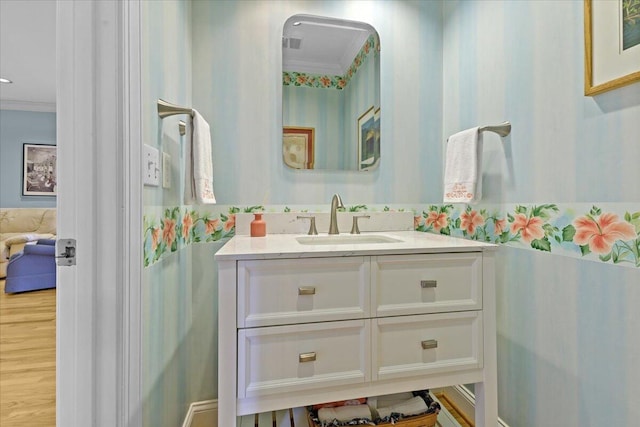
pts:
[463, 167]
[199, 164]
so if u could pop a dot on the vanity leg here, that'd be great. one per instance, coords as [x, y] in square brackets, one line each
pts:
[227, 337]
[487, 391]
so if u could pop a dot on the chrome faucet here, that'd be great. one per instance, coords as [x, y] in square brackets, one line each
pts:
[336, 202]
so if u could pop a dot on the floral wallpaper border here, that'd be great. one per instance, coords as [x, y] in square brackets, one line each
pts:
[607, 233]
[323, 81]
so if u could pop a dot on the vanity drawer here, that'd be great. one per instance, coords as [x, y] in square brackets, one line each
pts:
[292, 358]
[420, 284]
[407, 346]
[281, 292]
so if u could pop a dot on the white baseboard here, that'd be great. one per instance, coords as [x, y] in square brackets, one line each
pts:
[465, 401]
[202, 414]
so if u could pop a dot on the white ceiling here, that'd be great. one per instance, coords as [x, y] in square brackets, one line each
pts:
[325, 47]
[28, 54]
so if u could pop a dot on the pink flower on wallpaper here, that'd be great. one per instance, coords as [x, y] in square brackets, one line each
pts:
[416, 221]
[169, 231]
[211, 225]
[437, 220]
[499, 226]
[187, 223]
[325, 81]
[470, 220]
[155, 235]
[301, 79]
[530, 228]
[342, 83]
[231, 222]
[601, 233]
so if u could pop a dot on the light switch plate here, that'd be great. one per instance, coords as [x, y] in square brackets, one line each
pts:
[151, 166]
[166, 170]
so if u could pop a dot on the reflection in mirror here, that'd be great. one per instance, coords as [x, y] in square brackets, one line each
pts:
[330, 94]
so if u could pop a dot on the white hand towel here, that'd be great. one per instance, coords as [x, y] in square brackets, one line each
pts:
[344, 413]
[463, 167]
[413, 406]
[199, 165]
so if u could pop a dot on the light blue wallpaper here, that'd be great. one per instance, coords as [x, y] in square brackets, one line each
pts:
[568, 346]
[174, 359]
[17, 128]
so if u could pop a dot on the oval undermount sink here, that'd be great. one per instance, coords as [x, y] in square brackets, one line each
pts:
[347, 239]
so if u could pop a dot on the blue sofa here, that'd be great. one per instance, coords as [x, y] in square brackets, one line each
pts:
[32, 269]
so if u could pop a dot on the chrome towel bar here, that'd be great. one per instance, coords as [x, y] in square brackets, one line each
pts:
[503, 129]
[166, 109]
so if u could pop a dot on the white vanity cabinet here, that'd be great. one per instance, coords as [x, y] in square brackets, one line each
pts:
[302, 324]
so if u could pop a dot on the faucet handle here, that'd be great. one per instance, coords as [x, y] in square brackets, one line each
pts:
[354, 228]
[312, 224]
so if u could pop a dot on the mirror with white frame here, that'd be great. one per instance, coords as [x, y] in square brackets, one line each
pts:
[330, 94]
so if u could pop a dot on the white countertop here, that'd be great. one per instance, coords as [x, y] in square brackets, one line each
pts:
[274, 246]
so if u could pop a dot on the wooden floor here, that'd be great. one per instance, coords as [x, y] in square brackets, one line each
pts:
[28, 358]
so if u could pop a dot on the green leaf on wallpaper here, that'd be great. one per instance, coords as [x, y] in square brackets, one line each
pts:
[358, 208]
[510, 217]
[615, 257]
[624, 254]
[234, 210]
[549, 229]
[585, 250]
[174, 246]
[223, 217]
[634, 219]
[605, 258]
[541, 210]
[595, 211]
[541, 244]
[252, 209]
[457, 222]
[568, 232]
[386, 209]
[446, 231]
[287, 209]
[504, 237]
[557, 239]
[521, 209]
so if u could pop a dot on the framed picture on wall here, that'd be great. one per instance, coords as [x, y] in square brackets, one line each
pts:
[297, 146]
[39, 170]
[612, 44]
[367, 139]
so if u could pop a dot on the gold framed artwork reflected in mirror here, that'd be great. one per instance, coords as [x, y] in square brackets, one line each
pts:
[611, 45]
[298, 147]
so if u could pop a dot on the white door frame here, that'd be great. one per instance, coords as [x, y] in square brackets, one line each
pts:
[100, 205]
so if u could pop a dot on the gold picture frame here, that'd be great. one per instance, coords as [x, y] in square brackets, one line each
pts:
[368, 139]
[604, 21]
[298, 146]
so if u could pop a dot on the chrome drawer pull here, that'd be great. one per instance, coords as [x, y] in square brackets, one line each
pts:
[428, 284]
[428, 344]
[307, 290]
[307, 357]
